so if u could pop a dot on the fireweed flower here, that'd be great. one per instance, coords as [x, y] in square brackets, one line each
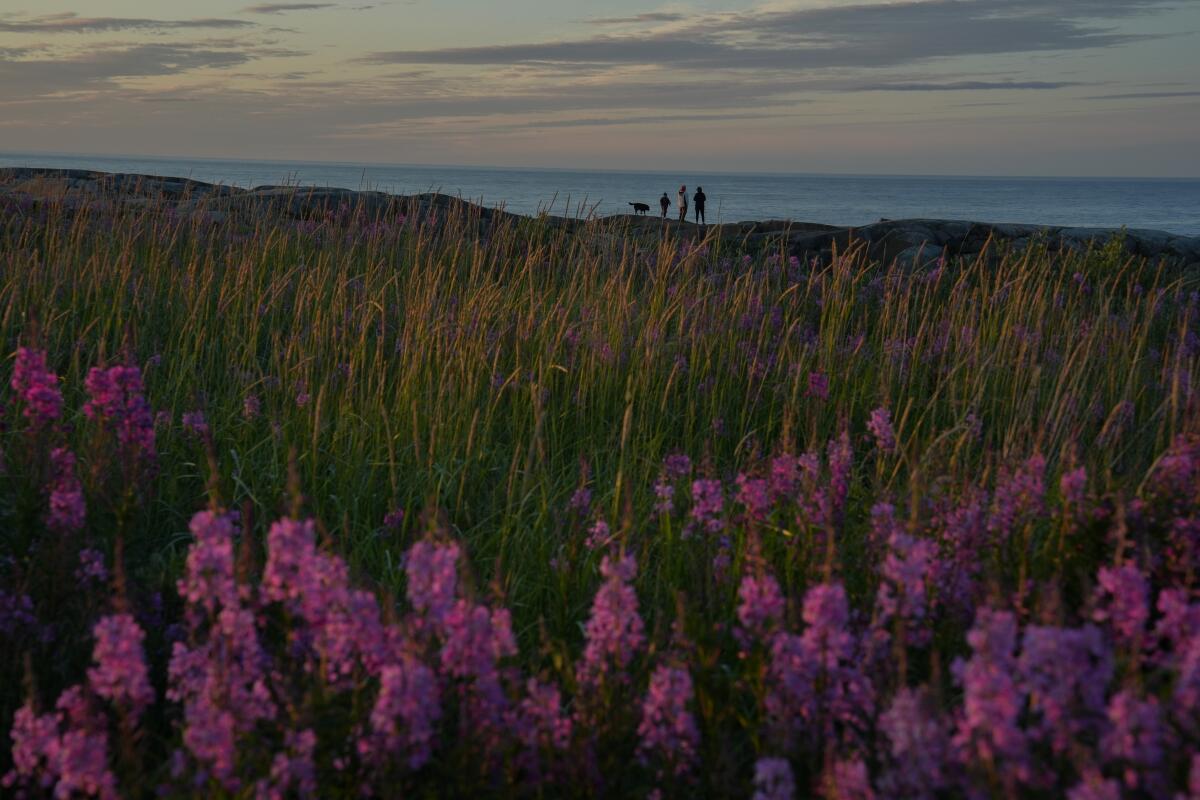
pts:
[708, 501]
[1123, 602]
[907, 570]
[668, 730]
[117, 399]
[664, 493]
[1065, 671]
[754, 495]
[194, 423]
[1020, 496]
[432, 572]
[988, 731]
[880, 425]
[91, 567]
[405, 714]
[540, 722]
[815, 685]
[1073, 485]
[784, 478]
[677, 465]
[120, 674]
[614, 630]
[66, 751]
[773, 779]
[761, 606]
[37, 387]
[208, 581]
[67, 508]
[1137, 740]
[292, 769]
[598, 535]
[918, 748]
[848, 780]
[581, 501]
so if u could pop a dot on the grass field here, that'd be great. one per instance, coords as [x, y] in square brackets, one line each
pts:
[487, 510]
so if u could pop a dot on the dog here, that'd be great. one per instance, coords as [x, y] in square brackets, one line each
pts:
[640, 208]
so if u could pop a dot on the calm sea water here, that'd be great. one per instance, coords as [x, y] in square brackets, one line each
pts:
[1169, 205]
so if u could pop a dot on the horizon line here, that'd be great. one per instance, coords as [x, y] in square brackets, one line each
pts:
[501, 168]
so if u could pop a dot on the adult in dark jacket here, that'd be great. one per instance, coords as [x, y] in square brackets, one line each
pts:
[664, 203]
[698, 199]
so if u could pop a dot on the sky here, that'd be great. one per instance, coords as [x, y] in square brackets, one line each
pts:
[969, 87]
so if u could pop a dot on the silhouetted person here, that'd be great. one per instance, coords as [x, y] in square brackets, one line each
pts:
[699, 199]
[664, 203]
[683, 204]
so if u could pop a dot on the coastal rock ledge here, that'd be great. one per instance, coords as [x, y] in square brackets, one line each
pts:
[910, 241]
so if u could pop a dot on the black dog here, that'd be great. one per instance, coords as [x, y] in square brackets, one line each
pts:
[640, 208]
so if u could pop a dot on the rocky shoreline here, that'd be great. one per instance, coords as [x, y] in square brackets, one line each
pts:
[911, 241]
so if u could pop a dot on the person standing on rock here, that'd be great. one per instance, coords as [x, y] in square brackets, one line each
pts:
[664, 203]
[683, 200]
[699, 199]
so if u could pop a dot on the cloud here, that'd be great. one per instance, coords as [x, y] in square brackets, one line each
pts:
[100, 69]
[1143, 95]
[963, 86]
[283, 8]
[73, 23]
[839, 36]
[650, 17]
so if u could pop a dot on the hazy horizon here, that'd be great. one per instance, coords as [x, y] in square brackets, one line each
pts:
[971, 88]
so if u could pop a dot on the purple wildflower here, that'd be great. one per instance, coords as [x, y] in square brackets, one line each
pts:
[406, 712]
[848, 780]
[1073, 485]
[1137, 740]
[677, 465]
[117, 399]
[1123, 601]
[599, 535]
[120, 674]
[1065, 671]
[581, 501]
[785, 476]
[614, 631]
[880, 425]
[760, 606]
[67, 508]
[194, 423]
[754, 495]
[668, 730]
[1020, 495]
[432, 571]
[989, 732]
[1095, 786]
[664, 494]
[37, 387]
[91, 567]
[816, 686]
[918, 747]
[773, 779]
[708, 501]
[902, 596]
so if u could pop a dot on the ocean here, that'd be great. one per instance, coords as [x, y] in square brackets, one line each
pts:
[1161, 204]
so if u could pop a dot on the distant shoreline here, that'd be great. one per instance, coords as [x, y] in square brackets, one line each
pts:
[905, 239]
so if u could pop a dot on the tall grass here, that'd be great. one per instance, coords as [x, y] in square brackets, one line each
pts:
[476, 373]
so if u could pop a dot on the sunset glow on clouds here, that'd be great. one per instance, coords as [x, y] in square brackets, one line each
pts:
[959, 86]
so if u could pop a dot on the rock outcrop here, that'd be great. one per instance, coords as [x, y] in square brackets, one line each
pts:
[910, 242]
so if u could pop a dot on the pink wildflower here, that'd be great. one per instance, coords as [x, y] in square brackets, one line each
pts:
[614, 631]
[120, 674]
[668, 730]
[37, 386]
[67, 508]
